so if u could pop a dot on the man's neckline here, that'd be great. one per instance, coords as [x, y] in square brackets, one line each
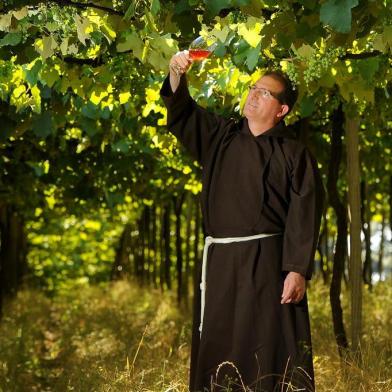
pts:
[280, 129]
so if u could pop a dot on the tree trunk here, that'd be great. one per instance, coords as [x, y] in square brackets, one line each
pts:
[147, 245]
[178, 202]
[365, 218]
[321, 249]
[341, 221]
[196, 260]
[139, 254]
[381, 249]
[13, 252]
[154, 247]
[166, 235]
[188, 234]
[121, 261]
[355, 274]
[390, 206]
[326, 271]
[161, 249]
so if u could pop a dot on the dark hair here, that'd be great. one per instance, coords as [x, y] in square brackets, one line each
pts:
[289, 94]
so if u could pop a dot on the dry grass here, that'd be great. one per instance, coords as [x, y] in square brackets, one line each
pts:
[122, 338]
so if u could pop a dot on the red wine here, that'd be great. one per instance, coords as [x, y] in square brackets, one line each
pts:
[199, 54]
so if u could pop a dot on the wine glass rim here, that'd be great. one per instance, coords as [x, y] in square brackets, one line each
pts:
[203, 40]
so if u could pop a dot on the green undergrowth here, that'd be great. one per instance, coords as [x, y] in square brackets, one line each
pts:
[121, 337]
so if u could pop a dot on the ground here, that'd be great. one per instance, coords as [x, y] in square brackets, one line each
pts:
[122, 337]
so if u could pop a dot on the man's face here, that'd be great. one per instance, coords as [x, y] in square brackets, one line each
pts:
[263, 107]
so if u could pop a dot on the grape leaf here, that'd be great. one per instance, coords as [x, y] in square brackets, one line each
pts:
[368, 68]
[89, 126]
[307, 106]
[252, 57]
[91, 111]
[81, 25]
[305, 51]
[11, 39]
[155, 7]
[337, 14]
[7, 127]
[132, 42]
[121, 146]
[49, 44]
[387, 36]
[43, 125]
[5, 21]
[214, 6]
[251, 31]
[20, 14]
[32, 73]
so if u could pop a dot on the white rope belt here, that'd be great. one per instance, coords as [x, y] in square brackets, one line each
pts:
[208, 241]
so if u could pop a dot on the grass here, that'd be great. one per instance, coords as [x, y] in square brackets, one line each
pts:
[120, 337]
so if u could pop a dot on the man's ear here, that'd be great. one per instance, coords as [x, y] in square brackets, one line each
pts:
[283, 110]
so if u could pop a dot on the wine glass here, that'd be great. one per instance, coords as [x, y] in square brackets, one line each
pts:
[201, 48]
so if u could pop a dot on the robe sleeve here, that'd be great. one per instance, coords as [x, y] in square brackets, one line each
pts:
[304, 216]
[191, 124]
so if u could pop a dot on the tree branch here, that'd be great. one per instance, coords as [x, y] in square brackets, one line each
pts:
[94, 62]
[80, 5]
[62, 3]
[359, 56]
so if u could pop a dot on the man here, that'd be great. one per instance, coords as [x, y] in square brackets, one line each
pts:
[262, 202]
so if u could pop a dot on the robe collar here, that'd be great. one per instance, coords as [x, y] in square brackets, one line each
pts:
[279, 130]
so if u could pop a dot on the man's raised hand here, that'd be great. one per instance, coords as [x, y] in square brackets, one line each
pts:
[180, 63]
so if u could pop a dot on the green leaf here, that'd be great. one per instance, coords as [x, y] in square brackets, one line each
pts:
[43, 125]
[38, 168]
[305, 51]
[5, 21]
[155, 7]
[130, 12]
[252, 57]
[251, 31]
[81, 25]
[215, 6]
[32, 74]
[21, 13]
[187, 22]
[307, 106]
[241, 51]
[220, 50]
[181, 6]
[162, 49]
[89, 126]
[337, 14]
[121, 146]
[132, 42]
[368, 68]
[49, 76]
[91, 111]
[387, 36]
[109, 33]
[49, 45]
[11, 39]
[7, 127]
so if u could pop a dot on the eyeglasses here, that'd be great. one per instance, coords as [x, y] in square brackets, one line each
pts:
[264, 93]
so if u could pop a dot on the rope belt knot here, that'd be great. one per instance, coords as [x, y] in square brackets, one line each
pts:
[222, 240]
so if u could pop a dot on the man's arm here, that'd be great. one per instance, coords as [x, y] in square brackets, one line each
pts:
[179, 65]
[195, 127]
[302, 226]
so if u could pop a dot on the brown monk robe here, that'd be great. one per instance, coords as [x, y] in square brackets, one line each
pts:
[251, 184]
